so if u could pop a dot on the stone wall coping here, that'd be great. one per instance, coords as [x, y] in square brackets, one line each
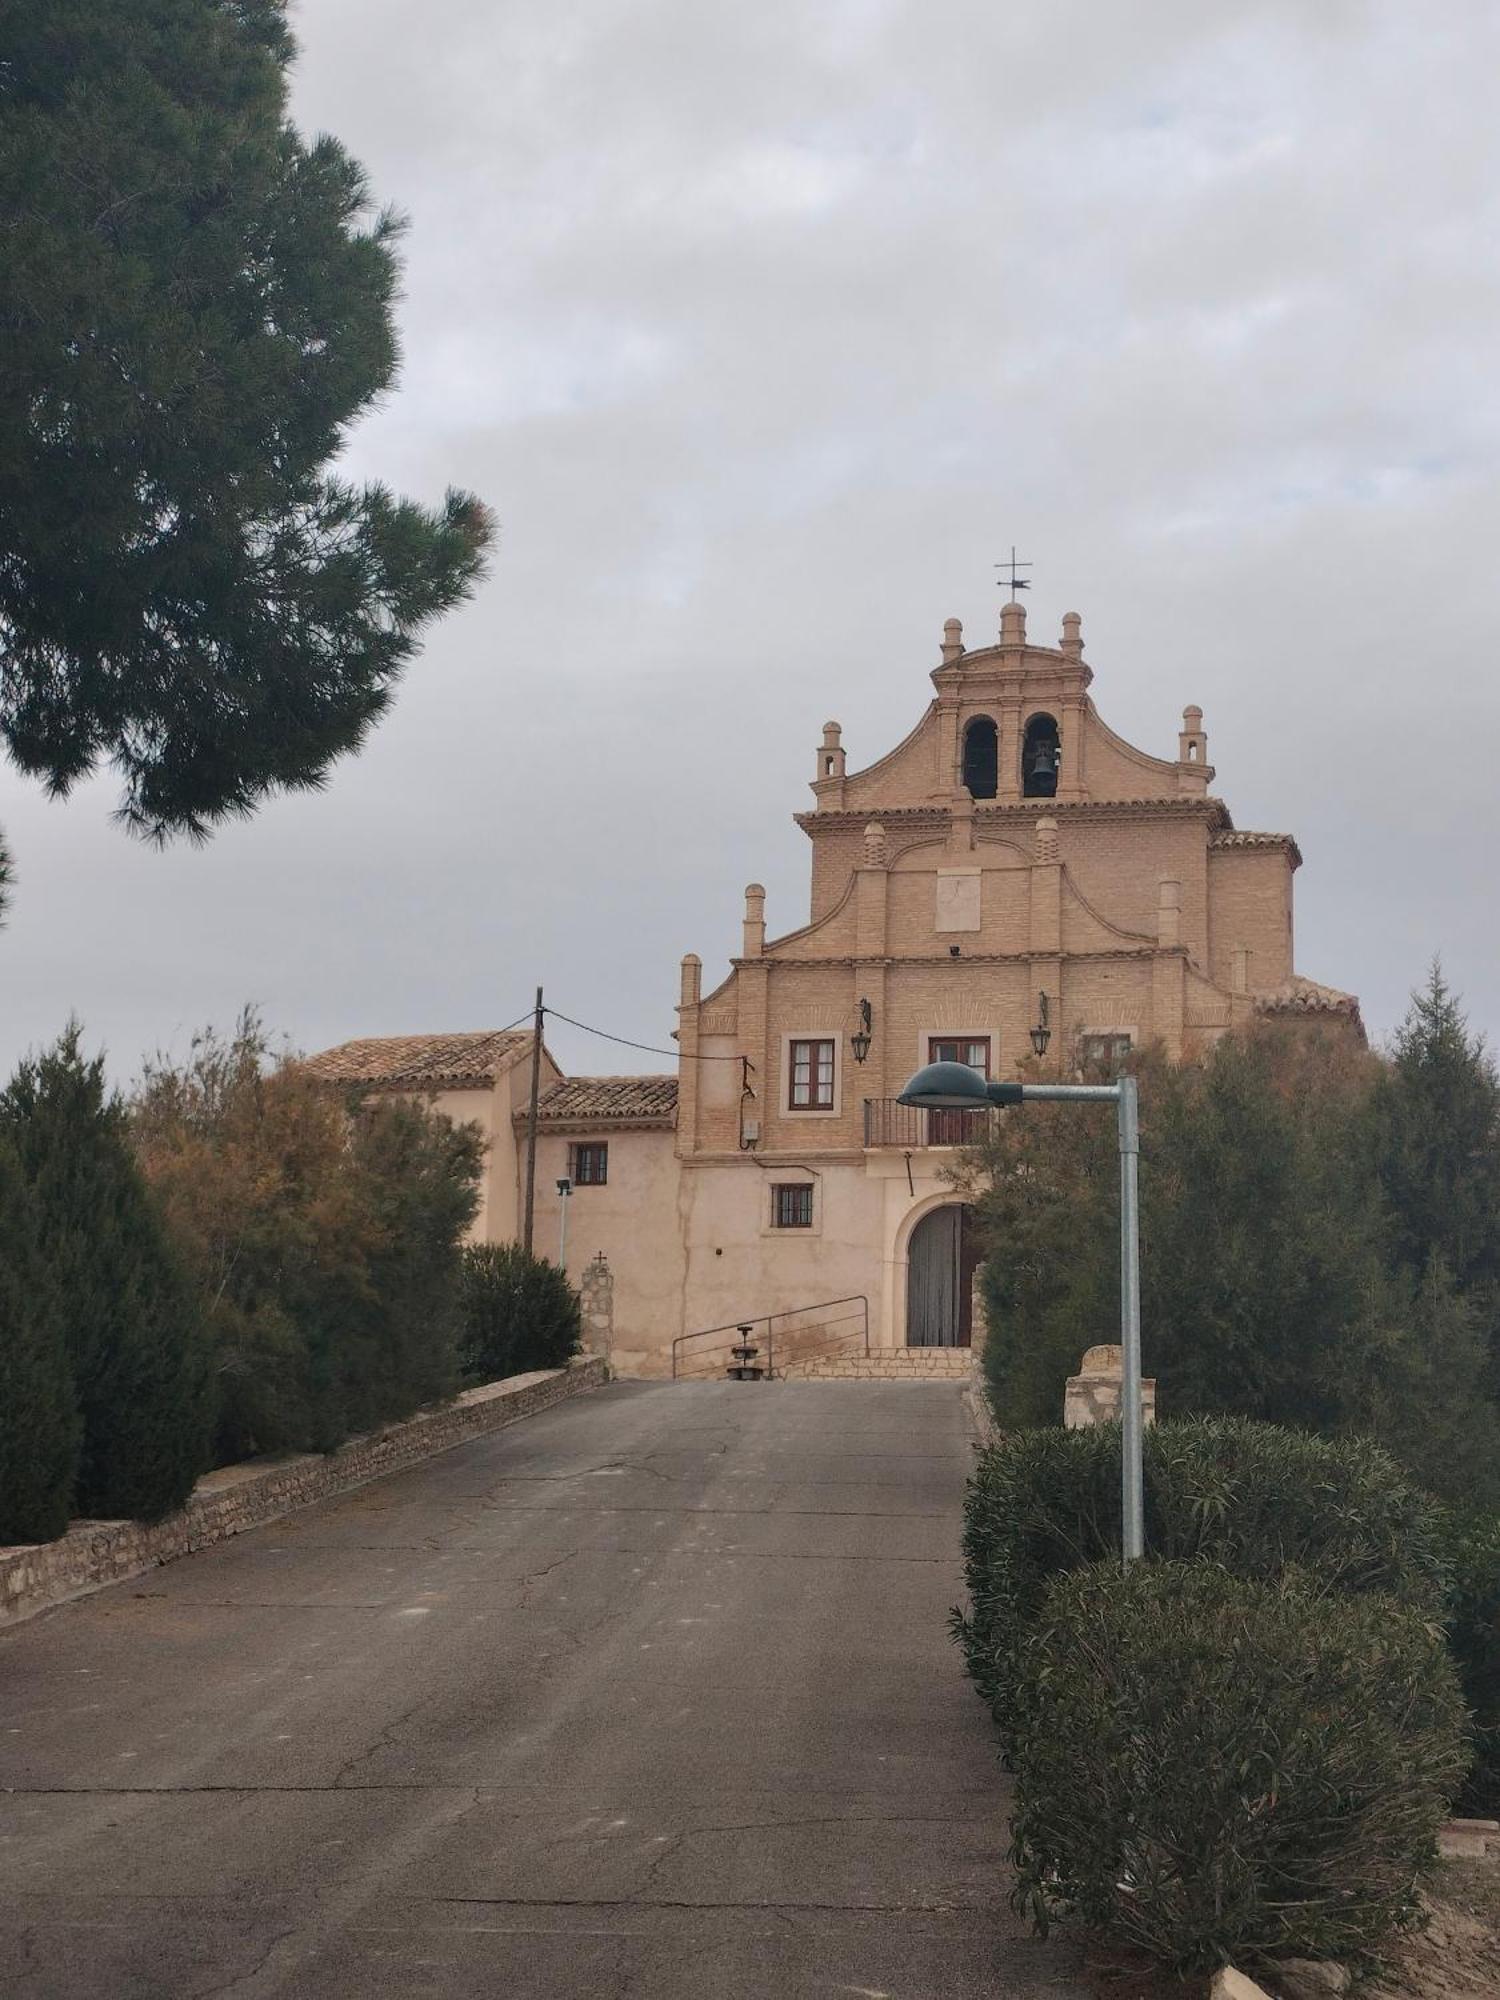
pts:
[233, 1498]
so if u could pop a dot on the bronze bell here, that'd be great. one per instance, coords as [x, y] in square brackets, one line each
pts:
[1044, 761]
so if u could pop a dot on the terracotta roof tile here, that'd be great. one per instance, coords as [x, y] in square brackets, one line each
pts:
[1248, 838]
[1306, 996]
[423, 1062]
[610, 1100]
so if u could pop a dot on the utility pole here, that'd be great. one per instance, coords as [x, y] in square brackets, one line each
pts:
[536, 1091]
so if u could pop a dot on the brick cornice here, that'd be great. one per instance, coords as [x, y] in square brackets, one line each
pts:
[946, 959]
[1213, 812]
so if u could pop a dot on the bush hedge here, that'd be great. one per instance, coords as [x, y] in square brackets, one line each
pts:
[1213, 1767]
[1251, 1497]
[119, 1293]
[40, 1429]
[1473, 1548]
[518, 1312]
[323, 1230]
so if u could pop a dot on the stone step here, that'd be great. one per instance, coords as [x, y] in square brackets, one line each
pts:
[890, 1364]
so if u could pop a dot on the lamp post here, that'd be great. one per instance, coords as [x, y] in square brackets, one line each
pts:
[950, 1086]
[565, 1194]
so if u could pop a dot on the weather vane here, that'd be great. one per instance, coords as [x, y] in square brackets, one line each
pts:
[1016, 582]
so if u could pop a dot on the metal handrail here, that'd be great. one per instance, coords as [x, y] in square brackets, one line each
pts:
[889, 1122]
[745, 1328]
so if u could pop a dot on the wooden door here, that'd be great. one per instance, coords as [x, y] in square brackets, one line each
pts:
[940, 1280]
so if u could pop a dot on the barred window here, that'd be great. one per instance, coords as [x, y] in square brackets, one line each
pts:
[811, 1076]
[588, 1166]
[791, 1205]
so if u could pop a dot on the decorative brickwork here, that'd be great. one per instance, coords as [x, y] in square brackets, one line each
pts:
[243, 1496]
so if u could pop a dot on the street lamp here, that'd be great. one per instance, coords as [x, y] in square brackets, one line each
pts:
[565, 1191]
[951, 1086]
[1041, 1034]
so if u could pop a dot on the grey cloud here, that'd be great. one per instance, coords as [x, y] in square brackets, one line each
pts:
[764, 331]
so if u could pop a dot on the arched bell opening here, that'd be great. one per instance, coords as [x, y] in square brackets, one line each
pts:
[1041, 754]
[981, 758]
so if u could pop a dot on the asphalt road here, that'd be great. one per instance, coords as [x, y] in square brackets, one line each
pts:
[650, 1695]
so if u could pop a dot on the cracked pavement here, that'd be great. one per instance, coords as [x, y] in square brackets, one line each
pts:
[649, 1695]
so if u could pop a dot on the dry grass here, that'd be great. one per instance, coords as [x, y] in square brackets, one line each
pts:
[1456, 1958]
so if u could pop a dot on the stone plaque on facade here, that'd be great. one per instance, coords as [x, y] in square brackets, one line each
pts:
[958, 899]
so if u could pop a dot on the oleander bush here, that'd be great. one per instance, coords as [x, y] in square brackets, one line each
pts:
[1251, 1497]
[1213, 1767]
[518, 1312]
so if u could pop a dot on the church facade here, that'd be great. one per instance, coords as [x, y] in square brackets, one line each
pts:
[1012, 876]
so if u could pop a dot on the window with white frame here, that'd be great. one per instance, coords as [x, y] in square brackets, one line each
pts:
[810, 1074]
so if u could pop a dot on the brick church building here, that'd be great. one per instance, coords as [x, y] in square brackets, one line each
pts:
[1012, 874]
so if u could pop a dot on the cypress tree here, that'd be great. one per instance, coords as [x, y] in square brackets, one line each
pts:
[39, 1427]
[1440, 1150]
[114, 1283]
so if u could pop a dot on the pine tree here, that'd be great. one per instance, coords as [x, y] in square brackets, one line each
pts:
[196, 305]
[114, 1282]
[1440, 1143]
[39, 1427]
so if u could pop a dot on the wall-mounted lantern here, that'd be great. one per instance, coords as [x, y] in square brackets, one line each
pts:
[1041, 1034]
[859, 1041]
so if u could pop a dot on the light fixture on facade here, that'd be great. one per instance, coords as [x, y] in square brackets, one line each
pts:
[1041, 1034]
[859, 1041]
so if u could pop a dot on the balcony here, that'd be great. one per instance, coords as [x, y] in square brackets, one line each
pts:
[891, 1123]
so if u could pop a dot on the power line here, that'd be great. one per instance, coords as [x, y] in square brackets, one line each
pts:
[625, 1042]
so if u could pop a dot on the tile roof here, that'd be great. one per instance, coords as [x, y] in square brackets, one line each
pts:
[1306, 996]
[610, 1100]
[1233, 838]
[423, 1062]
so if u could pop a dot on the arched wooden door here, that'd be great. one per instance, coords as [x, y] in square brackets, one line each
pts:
[940, 1266]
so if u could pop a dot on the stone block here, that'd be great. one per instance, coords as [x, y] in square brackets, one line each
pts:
[1227, 1984]
[1469, 1840]
[1092, 1396]
[1311, 1979]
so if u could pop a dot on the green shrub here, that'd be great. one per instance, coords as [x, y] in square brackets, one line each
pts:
[118, 1288]
[39, 1424]
[1211, 1767]
[324, 1235]
[519, 1313]
[1249, 1496]
[1473, 1547]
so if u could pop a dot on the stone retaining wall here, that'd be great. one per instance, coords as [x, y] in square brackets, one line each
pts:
[227, 1502]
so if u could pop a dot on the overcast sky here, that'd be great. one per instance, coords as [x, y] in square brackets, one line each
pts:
[764, 330]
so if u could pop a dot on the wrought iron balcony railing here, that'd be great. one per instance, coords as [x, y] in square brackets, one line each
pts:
[891, 1123]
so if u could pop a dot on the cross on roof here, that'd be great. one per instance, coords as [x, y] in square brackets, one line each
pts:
[1016, 582]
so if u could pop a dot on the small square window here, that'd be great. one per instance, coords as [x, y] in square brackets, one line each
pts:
[791, 1205]
[588, 1166]
[810, 1081]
